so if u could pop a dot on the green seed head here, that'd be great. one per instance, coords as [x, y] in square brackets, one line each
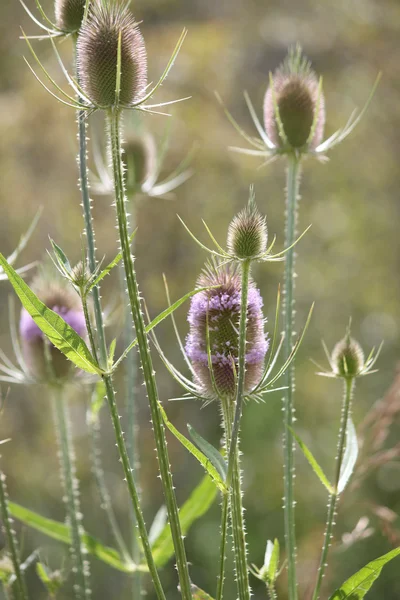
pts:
[347, 358]
[296, 100]
[69, 14]
[97, 56]
[248, 234]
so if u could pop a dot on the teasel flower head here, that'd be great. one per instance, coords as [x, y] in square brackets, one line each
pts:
[139, 157]
[294, 107]
[294, 114]
[214, 323]
[347, 360]
[247, 233]
[111, 29]
[44, 361]
[69, 14]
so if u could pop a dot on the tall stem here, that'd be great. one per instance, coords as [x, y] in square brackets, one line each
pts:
[292, 194]
[233, 475]
[146, 360]
[227, 422]
[19, 586]
[110, 392]
[71, 489]
[333, 499]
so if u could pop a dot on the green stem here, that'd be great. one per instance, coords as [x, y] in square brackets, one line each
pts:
[71, 489]
[227, 422]
[145, 358]
[292, 192]
[333, 499]
[19, 585]
[233, 475]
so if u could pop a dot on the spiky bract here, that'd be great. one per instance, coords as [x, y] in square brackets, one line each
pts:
[219, 309]
[248, 234]
[297, 98]
[44, 360]
[347, 358]
[139, 158]
[69, 14]
[97, 56]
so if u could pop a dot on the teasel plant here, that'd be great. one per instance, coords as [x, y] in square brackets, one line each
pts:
[225, 352]
[112, 76]
[41, 363]
[292, 128]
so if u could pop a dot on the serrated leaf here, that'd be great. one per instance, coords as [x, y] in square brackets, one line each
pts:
[361, 582]
[350, 456]
[213, 455]
[202, 458]
[315, 466]
[110, 266]
[195, 506]
[62, 335]
[60, 532]
[199, 594]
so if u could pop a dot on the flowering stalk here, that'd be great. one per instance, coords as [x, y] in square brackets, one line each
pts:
[349, 385]
[114, 119]
[292, 195]
[19, 585]
[71, 489]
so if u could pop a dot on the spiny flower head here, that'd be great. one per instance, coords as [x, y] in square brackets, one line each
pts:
[347, 358]
[97, 56]
[140, 154]
[247, 233]
[294, 110]
[219, 310]
[69, 14]
[58, 295]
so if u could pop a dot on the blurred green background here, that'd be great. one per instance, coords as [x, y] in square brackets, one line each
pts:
[348, 263]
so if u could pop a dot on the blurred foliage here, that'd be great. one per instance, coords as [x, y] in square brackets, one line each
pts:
[348, 263]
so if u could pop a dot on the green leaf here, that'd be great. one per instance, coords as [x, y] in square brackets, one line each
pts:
[271, 560]
[51, 580]
[213, 455]
[203, 460]
[361, 582]
[97, 402]
[163, 315]
[59, 531]
[53, 326]
[109, 267]
[195, 506]
[350, 456]
[61, 258]
[199, 594]
[316, 468]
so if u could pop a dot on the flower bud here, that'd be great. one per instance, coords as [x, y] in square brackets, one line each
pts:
[295, 94]
[97, 56]
[69, 14]
[47, 363]
[220, 307]
[347, 358]
[139, 159]
[248, 234]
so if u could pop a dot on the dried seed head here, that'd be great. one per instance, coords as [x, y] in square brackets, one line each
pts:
[69, 14]
[296, 96]
[248, 234]
[97, 56]
[139, 158]
[47, 362]
[220, 308]
[347, 358]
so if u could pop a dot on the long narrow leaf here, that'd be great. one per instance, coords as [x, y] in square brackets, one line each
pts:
[199, 594]
[361, 582]
[60, 532]
[195, 507]
[202, 458]
[315, 466]
[213, 455]
[62, 335]
[110, 266]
